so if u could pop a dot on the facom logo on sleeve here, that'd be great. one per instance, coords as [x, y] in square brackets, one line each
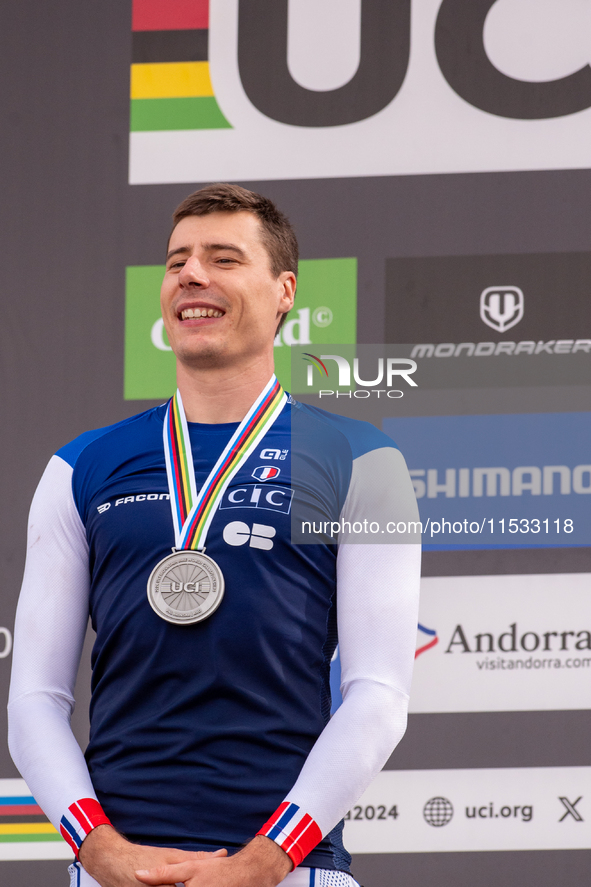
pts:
[325, 311]
[245, 90]
[500, 480]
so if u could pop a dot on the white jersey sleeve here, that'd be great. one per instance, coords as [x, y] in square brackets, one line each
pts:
[50, 627]
[377, 615]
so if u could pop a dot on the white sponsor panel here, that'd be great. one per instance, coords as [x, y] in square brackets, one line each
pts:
[427, 127]
[503, 643]
[33, 839]
[22, 851]
[426, 811]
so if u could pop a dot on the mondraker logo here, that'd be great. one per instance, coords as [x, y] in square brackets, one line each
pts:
[427, 638]
[501, 307]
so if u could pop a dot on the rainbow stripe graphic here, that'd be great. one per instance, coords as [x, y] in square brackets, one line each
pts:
[25, 832]
[259, 421]
[29, 822]
[181, 463]
[170, 83]
[193, 513]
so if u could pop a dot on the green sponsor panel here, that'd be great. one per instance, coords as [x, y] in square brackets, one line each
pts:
[199, 112]
[150, 370]
[325, 312]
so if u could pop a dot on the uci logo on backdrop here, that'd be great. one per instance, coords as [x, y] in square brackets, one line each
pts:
[269, 89]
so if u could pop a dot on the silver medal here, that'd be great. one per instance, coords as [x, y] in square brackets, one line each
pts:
[185, 587]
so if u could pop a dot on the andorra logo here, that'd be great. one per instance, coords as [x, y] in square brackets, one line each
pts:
[426, 639]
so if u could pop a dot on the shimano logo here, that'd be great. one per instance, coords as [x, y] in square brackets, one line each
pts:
[546, 480]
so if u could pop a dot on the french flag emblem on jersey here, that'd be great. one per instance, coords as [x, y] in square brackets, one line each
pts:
[266, 472]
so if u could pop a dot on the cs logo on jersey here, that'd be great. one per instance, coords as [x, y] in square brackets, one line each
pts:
[239, 533]
[266, 472]
[273, 454]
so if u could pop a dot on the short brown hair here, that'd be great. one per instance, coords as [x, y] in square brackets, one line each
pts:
[278, 235]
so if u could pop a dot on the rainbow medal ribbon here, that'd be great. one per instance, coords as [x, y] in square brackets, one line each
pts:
[187, 586]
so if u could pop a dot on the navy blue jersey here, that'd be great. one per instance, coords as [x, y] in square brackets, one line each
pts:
[199, 731]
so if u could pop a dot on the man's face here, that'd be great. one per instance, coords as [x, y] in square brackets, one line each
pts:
[220, 302]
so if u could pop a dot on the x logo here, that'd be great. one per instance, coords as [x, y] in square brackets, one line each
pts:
[570, 809]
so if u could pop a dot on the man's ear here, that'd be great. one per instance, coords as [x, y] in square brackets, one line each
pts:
[289, 284]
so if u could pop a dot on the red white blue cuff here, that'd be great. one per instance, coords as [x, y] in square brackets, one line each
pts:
[294, 830]
[79, 820]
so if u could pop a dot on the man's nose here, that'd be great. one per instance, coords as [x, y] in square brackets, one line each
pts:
[193, 273]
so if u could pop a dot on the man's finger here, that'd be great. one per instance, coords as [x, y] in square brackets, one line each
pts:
[165, 874]
[158, 882]
[208, 854]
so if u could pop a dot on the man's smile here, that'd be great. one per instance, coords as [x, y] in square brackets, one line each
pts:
[200, 312]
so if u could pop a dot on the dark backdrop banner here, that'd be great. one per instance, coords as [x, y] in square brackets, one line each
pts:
[434, 158]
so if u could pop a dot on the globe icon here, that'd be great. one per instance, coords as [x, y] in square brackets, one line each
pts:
[438, 811]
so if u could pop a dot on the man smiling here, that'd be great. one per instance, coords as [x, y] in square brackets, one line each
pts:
[213, 760]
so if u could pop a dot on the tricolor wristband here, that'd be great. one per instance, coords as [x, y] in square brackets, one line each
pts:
[79, 820]
[293, 830]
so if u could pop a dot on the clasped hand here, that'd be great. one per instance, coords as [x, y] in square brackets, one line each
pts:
[115, 862]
